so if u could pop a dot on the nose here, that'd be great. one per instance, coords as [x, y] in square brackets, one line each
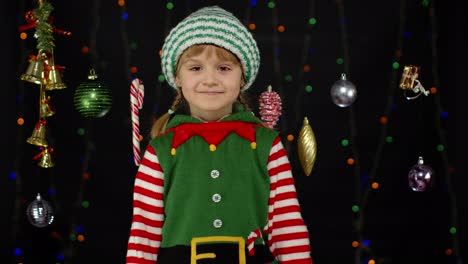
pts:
[210, 78]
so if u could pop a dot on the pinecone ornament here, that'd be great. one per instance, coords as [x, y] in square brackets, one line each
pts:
[270, 107]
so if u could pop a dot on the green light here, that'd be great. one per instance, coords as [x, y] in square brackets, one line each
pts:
[170, 5]
[133, 45]
[72, 237]
[453, 230]
[344, 142]
[308, 88]
[85, 204]
[389, 139]
[339, 61]
[80, 131]
[355, 208]
[312, 21]
[425, 3]
[271, 4]
[161, 78]
[288, 78]
[440, 147]
[396, 65]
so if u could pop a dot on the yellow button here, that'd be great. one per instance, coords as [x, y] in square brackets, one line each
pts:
[173, 151]
[253, 145]
[212, 147]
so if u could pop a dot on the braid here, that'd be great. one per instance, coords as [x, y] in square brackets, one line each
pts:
[178, 101]
[160, 125]
[244, 102]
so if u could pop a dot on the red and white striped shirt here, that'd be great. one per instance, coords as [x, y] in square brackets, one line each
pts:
[288, 237]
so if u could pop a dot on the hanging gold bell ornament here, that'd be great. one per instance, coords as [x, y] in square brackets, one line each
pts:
[45, 109]
[54, 75]
[93, 99]
[307, 147]
[35, 71]
[409, 82]
[38, 136]
[45, 156]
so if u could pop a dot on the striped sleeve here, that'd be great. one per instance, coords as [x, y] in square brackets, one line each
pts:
[288, 237]
[148, 211]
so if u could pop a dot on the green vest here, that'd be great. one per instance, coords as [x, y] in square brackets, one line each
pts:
[214, 193]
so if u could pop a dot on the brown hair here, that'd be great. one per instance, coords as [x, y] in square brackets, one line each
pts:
[160, 125]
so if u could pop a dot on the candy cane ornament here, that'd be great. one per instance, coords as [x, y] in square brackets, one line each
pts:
[137, 93]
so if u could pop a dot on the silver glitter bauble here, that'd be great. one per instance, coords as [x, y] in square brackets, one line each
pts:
[40, 213]
[343, 92]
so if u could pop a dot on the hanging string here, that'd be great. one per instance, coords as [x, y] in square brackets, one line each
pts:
[20, 139]
[248, 13]
[159, 98]
[69, 244]
[383, 134]
[125, 44]
[277, 68]
[352, 125]
[305, 57]
[437, 117]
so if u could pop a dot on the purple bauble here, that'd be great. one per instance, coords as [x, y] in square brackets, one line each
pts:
[420, 177]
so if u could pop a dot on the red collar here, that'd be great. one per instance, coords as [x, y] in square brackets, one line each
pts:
[212, 132]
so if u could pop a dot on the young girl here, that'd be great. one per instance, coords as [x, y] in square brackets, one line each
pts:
[214, 185]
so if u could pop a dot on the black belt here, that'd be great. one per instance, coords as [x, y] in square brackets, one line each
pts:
[226, 253]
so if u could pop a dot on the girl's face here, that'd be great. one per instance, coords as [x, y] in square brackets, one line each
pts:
[210, 79]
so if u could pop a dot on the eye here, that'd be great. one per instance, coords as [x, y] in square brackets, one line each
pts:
[224, 68]
[194, 68]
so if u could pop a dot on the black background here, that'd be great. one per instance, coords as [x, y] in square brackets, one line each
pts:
[402, 226]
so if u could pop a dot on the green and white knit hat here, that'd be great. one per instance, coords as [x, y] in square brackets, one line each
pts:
[211, 25]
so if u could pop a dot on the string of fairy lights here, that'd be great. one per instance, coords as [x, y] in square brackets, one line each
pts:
[77, 231]
[277, 84]
[441, 147]
[304, 67]
[15, 175]
[68, 244]
[362, 245]
[351, 141]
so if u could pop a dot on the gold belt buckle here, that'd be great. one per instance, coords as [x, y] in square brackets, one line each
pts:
[197, 240]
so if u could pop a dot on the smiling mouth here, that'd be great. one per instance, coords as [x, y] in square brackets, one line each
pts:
[211, 93]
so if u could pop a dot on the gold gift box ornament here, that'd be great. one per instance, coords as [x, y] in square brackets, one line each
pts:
[409, 82]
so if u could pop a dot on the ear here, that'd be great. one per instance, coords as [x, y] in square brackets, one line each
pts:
[178, 82]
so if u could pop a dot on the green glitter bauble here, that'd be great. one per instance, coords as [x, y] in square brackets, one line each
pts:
[93, 99]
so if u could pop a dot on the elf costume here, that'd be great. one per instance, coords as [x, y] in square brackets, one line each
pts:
[217, 180]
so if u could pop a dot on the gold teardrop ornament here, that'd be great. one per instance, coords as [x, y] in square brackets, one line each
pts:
[307, 147]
